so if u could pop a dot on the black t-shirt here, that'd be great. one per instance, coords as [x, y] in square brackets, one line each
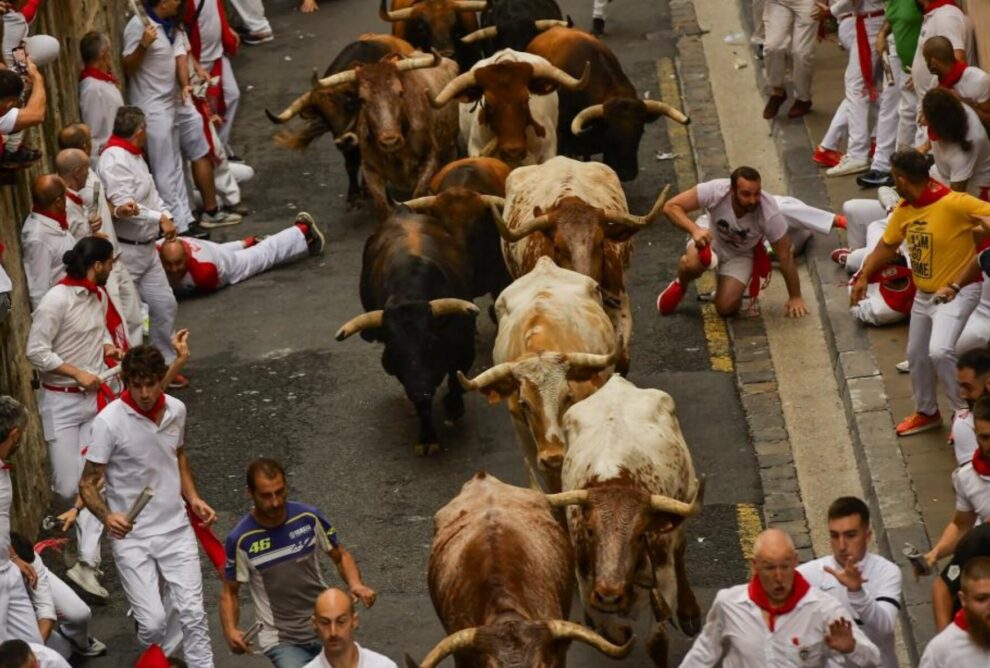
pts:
[976, 543]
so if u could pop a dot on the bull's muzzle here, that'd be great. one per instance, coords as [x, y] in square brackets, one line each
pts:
[551, 457]
[609, 597]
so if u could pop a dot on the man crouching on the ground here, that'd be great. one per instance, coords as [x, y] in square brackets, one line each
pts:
[197, 265]
[743, 217]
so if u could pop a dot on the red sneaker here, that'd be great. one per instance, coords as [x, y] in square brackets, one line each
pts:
[840, 221]
[671, 296]
[919, 422]
[826, 157]
[840, 255]
[180, 382]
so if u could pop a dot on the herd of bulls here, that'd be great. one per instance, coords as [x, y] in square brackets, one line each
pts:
[528, 219]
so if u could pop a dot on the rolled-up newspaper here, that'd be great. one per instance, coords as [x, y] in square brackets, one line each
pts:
[139, 503]
[888, 72]
[252, 633]
[110, 373]
[140, 13]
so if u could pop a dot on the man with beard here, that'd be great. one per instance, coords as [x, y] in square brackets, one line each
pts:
[778, 619]
[966, 641]
[939, 227]
[972, 485]
[69, 344]
[973, 376]
[275, 549]
[729, 238]
[335, 621]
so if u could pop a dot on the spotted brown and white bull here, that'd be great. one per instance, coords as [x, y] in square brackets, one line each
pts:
[555, 346]
[403, 141]
[576, 213]
[500, 580]
[629, 484]
[509, 106]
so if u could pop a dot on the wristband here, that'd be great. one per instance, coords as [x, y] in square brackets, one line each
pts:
[955, 287]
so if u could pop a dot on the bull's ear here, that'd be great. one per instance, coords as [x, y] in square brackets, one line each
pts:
[618, 233]
[665, 522]
[500, 390]
[470, 94]
[543, 85]
[583, 374]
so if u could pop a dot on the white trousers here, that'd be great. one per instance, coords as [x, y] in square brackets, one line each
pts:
[888, 115]
[859, 214]
[67, 421]
[790, 31]
[276, 249]
[838, 128]
[165, 160]
[174, 558]
[17, 620]
[598, 9]
[976, 333]
[252, 13]
[759, 32]
[73, 618]
[857, 99]
[231, 96]
[146, 269]
[124, 294]
[907, 108]
[874, 232]
[933, 332]
[803, 220]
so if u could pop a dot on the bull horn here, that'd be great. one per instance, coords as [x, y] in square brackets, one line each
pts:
[532, 225]
[667, 110]
[297, 105]
[485, 378]
[358, 323]
[629, 220]
[482, 33]
[575, 497]
[664, 504]
[471, 5]
[585, 115]
[338, 79]
[493, 200]
[345, 140]
[452, 306]
[546, 24]
[419, 62]
[421, 204]
[315, 78]
[398, 15]
[462, 639]
[548, 71]
[455, 86]
[563, 629]
[591, 360]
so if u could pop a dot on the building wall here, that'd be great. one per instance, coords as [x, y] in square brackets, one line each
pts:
[68, 22]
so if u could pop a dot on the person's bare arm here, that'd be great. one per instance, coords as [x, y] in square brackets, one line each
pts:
[881, 256]
[189, 493]
[349, 573]
[89, 490]
[33, 113]
[180, 344]
[677, 209]
[230, 616]
[133, 60]
[941, 604]
[795, 307]
[962, 522]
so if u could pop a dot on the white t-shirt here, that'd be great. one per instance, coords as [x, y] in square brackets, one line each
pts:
[210, 43]
[367, 659]
[47, 657]
[139, 453]
[69, 326]
[964, 436]
[8, 120]
[98, 105]
[952, 648]
[974, 84]
[738, 236]
[972, 492]
[154, 84]
[947, 21]
[952, 164]
[874, 608]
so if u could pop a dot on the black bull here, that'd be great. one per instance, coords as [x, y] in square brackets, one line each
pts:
[415, 289]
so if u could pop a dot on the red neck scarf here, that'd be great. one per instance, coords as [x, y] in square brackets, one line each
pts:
[60, 218]
[981, 464]
[758, 595]
[952, 77]
[155, 411]
[939, 3]
[121, 143]
[961, 621]
[82, 283]
[90, 72]
[933, 192]
[4, 466]
[74, 197]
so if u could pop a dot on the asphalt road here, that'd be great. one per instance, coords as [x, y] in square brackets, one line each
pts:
[269, 379]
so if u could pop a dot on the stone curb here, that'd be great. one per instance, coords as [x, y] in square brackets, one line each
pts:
[755, 377]
[883, 471]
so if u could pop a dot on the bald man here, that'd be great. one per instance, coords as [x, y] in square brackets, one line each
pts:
[85, 217]
[45, 237]
[778, 619]
[970, 84]
[335, 621]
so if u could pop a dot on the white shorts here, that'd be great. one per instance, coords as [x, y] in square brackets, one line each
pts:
[192, 132]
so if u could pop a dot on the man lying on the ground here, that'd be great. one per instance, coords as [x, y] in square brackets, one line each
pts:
[197, 265]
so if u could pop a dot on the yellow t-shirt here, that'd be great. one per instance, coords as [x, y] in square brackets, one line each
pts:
[939, 237]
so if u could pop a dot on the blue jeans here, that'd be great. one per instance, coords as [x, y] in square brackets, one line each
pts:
[293, 656]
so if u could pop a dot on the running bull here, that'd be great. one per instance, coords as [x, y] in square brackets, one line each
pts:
[512, 24]
[436, 24]
[500, 581]
[415, 289]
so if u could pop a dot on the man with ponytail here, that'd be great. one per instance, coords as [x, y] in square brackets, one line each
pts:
[69, 344]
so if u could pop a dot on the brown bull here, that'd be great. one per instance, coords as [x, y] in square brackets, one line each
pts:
[403, 140]
[500, 580]
[436, 24]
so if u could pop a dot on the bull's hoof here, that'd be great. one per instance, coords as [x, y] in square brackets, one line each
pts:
[430, 450]
[690, 624]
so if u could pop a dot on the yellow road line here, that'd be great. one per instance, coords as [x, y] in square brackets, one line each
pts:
[716, 334]
[749, 527]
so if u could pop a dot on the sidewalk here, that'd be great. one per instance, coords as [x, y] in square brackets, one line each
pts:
[908, 481]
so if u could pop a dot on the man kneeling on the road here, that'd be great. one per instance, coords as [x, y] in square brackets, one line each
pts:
[743, 217]
[198, 265]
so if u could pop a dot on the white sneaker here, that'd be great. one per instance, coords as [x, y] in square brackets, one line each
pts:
[848, 166]
[903, 367]
[888, 198]
[85, 576]
[95, 648]
[219, 219]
